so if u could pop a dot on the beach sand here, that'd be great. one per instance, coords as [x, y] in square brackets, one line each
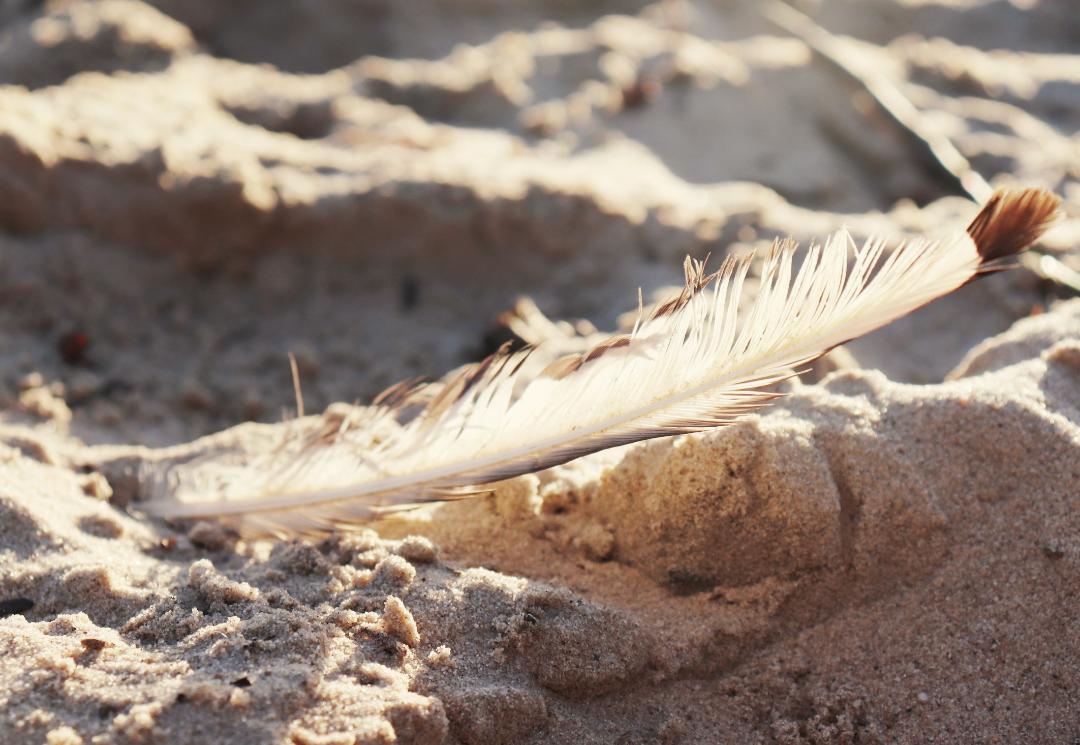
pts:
[189, 191]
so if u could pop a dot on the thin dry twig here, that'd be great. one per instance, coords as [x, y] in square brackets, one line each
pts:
[297, 392]
[936, 146]
[940, 149]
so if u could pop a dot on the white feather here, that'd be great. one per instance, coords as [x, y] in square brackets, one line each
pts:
[699, 366]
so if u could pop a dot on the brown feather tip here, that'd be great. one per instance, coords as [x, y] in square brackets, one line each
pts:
[1011, 221]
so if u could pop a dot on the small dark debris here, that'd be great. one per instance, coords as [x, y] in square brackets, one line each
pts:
[94, 645]
[530, 618]
[640, 92]
[1053, 550]
[72, 347]
[12, 606]
[243, 682]
[410, 293]
[113, 386]
[685, 582]
[181, 698]
[106, 710]
[108, 389]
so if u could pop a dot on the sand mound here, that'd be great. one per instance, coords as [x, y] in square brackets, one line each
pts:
[858, 548]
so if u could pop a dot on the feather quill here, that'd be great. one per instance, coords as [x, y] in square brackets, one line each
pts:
[690, 364]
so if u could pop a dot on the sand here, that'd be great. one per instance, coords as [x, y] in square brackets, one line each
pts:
[191, 190]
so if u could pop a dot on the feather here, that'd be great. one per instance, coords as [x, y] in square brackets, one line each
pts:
[690, 364]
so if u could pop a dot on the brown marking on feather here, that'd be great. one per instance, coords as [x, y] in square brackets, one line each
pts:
[782, 245]
[571, 363]
[776, 249]
[523, 357]
[447, 395]
[562, 367]
[399, 392]
[1010, 221]
[463, 381]
[696, 279]
[615, 342]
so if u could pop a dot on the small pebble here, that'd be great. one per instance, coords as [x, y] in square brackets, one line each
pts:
[208, 535]
[197, 398]
[416, 548]
[398, 622]
[97, 486]
[394, 571]
[31, 380]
